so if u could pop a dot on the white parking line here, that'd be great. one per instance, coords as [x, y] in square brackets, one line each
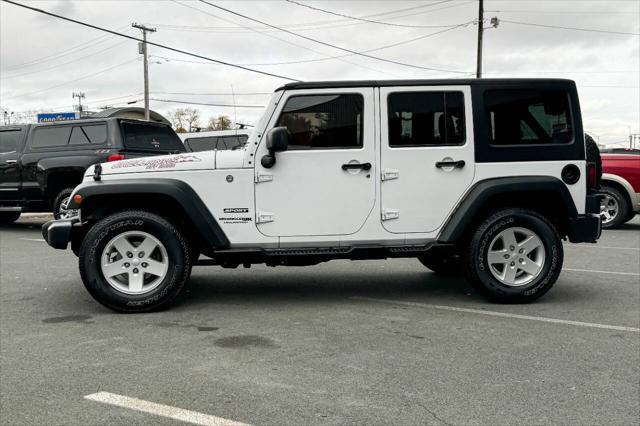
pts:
[595, 271]
[40, 240]
[499, 314]
[175, 413]
[598, 246]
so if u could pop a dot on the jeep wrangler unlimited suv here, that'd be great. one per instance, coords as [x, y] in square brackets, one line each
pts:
[485, 176]
[40, 164]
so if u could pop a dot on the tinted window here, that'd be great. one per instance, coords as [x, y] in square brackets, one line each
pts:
[522, 117]
[51, 136]
[205, 143]
[426, 118]
[78, 137]
[97, 134]
[323, 121]
[9, 141]
[148, 137]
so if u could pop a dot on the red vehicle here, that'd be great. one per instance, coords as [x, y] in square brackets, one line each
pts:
[620, 186]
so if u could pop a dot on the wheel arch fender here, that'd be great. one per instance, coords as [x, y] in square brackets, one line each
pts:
[179, 194]
[623, 186]
[491, 193]
[70, 168]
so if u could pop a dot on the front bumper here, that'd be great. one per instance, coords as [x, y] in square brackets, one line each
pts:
[57, 233]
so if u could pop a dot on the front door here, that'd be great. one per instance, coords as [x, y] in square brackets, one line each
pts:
[427, 155]
[10, 148]
[324, 184]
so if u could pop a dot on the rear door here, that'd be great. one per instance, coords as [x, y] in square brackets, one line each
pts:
[427, 155]
[11, 141]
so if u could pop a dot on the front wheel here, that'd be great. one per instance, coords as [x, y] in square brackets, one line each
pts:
[515, 256]
[60, 210]
[135, 261]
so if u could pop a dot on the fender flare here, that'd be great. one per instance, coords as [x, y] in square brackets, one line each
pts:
[192, 205]
[481, 192]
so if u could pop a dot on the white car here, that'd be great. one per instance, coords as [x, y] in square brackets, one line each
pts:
[481, 176]
[215, 140]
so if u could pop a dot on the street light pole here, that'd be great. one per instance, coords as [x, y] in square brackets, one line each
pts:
[143, 49]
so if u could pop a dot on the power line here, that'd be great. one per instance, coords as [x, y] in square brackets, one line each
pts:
[215, 94]
[329, 44]
[567, 12]
[64, 63]
[74, 80]
[65, 52]
[370, 21]
[302, 61]
[162, 46]
[531, 24]
[173, 101]
[281, 39]
[326, 24]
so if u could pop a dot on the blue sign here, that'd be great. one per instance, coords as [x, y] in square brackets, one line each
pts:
[56, 116]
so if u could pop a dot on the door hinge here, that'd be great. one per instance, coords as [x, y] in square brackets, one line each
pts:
[388, 214]
[389, 174]
[263, 177]
[264, 217]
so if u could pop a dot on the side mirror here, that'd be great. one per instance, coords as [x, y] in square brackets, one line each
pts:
[277, 141]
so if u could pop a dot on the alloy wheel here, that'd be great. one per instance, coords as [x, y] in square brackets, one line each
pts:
[516, 256]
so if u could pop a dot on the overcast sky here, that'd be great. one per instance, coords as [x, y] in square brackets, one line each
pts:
[43, 59]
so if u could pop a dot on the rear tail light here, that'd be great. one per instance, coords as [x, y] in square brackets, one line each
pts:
[115, 157]
[592, 176]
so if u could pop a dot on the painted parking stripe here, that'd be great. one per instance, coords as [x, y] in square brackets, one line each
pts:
[598, 246]
[168, 411]
[498, 314]
[40, 240]
[595, 271]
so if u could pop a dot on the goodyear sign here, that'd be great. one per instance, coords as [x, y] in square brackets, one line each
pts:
[56, 116]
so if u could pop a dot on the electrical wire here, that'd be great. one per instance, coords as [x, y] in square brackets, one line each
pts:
[173, 101]
[184, 52]
[590, 30]
[332, 45]
[370, 21]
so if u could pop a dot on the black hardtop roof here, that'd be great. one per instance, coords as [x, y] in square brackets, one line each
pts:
[423, 82]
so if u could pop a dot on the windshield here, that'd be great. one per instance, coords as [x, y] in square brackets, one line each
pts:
[150, 137]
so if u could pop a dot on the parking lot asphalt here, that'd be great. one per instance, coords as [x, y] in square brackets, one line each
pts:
[371, 342]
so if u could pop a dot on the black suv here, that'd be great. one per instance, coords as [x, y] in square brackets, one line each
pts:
[40, 164]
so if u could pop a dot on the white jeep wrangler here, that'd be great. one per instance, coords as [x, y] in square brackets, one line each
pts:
[481, 176]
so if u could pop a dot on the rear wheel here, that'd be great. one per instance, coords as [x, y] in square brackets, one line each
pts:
[515, 256]
[60, 210]
[135, 261]
[614, 210]
[9, 217]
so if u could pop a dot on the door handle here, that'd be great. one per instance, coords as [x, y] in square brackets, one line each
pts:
[455, 164]
[11, 161]
[363, 166]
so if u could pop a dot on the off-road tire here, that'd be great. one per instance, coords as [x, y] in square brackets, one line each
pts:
[57, 202]
[9, 217]
[179, 259]
[446, 265]
[623, 207]
[477, 266]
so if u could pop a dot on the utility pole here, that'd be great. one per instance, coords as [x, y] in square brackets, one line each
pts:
[80, 96]
[480, 31]
[142, 48]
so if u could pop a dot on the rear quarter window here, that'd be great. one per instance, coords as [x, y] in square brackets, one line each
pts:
[44, 137]
[528, 117]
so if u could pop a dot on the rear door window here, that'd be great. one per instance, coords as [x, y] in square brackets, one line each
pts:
[528, 117]
[9, 141]
[149, 137]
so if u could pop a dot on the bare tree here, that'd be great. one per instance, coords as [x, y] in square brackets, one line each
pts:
[178, 119]
[222, 122]
[192, 118]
